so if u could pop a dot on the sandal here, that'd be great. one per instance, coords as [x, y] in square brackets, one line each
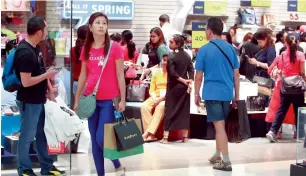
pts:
[164, 141]
[185, 139]
[150, 139]
[121, 172]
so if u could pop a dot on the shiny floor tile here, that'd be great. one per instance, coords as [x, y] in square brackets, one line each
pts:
[254, 157]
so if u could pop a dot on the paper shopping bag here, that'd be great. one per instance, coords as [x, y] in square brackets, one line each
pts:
[110, 143]
[128, 135]
[57, 149]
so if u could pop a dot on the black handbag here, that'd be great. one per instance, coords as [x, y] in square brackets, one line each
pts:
[261, 81]
[292, 84]
[136, 92]
[127, 134]
[256, 103]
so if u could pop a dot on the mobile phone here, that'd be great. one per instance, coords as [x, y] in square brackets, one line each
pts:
[58, 69]
[247, 56]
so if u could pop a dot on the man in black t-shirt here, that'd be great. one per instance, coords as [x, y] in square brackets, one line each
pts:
[31, 97]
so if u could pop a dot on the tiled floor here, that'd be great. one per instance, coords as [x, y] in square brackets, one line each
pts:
[254, 157]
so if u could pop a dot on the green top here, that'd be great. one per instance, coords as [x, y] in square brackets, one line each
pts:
[162, 51]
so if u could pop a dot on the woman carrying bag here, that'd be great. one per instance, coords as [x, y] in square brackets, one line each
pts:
[292, 86]
[103, 74]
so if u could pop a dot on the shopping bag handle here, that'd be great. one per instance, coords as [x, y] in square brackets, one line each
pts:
[123, 118]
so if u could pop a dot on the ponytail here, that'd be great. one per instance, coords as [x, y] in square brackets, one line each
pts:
[131, 49]
[291, 41]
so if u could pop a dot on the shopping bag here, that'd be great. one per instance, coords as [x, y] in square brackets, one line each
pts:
[128, 135]
[56, 149]
[110, 143]
[237, 124]
[136, 92]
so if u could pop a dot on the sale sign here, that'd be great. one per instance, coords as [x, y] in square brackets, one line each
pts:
[198, 35]
[210, 7]
[256, 3]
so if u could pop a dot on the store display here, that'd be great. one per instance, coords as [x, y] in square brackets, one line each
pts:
[256, 103]
[11, 143]
[247, 16]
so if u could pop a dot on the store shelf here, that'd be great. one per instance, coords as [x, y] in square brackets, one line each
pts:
[208, 16]
[247, 26]
[293, 21]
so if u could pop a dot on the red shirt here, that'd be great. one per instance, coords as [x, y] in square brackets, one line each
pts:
[76, 65]
[289, 69]
[126, 55]
[108, 88]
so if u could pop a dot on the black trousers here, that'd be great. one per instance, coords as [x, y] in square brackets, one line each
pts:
[285, 102]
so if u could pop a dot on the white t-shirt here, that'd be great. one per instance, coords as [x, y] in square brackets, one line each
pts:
[303, 45]
[278, 47]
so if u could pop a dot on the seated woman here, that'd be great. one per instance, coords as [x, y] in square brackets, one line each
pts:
[153, 108]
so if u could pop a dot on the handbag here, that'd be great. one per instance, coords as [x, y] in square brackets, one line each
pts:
[262, 81]
[131, 73]
[247, 16]
[136, 92]
[256, 103]
[237, 124]
[127, 134]
[87, 104]
[292, 84]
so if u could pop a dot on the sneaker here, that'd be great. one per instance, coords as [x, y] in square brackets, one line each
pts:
[214, 160]
[271, 136]
[223, 166]
[54, 171]
[28, 173]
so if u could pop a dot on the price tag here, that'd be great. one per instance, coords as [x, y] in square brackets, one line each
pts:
[215, 7]
[301, 6]
[261, 3]
[198, 35]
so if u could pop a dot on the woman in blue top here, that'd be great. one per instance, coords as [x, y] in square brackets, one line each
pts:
[265, 57]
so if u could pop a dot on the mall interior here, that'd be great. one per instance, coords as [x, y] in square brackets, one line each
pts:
[251, 153]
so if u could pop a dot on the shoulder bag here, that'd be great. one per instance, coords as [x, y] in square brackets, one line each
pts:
[292, 84]
[87, 104]
[223, 54]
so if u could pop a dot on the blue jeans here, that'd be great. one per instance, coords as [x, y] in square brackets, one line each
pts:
[32, 121]
[104, 114]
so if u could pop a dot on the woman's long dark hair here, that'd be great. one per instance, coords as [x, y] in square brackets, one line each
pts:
[127, 37]
[90, 39]
[79, 43]
[292, 43]
[279, 36]
[228, 37]
[266, 34]
[160, 34]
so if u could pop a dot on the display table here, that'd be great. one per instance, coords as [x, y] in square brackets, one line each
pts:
[199, 127]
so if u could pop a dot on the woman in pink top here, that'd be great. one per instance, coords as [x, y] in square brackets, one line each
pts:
[112, 84]
[291, 63]
[130, 51]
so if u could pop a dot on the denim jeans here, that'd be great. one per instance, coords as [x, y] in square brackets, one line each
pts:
[104, 114]
[32, 121]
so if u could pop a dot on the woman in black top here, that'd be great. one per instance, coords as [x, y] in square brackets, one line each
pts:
[180, 76]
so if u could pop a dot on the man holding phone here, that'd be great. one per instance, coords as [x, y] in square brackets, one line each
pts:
[31, 97]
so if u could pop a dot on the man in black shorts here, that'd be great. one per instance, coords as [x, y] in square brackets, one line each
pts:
[31, 97]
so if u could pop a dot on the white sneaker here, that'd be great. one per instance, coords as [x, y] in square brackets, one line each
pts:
[271, 136]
